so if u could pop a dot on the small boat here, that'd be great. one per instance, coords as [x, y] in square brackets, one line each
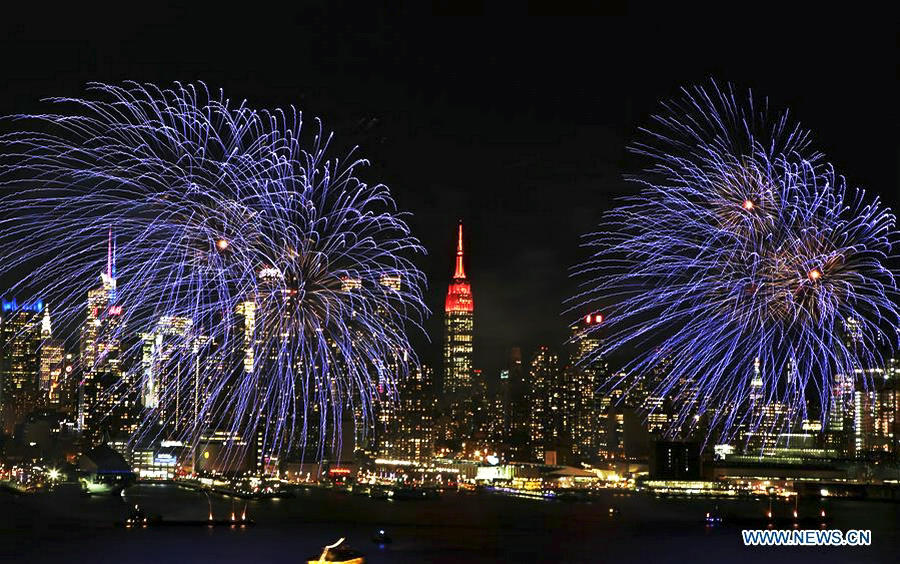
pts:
[409, 493]
[713, 518]
[382, 538]
[137, 518]
[380, 492]
[337, 553]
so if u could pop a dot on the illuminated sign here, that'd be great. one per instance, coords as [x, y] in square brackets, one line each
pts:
[36, 306]
[270, 273]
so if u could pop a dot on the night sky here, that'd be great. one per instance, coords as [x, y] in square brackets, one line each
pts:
[516, 126]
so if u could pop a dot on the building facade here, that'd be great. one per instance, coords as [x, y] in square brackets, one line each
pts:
[459, 327]
[101, 362]
[20, 343]
[587, 377]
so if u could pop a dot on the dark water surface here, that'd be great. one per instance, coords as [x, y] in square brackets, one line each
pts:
[67, 527]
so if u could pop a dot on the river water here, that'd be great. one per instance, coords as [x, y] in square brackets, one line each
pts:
[67, 527]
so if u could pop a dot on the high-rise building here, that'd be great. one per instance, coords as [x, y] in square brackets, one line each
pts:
[481, 412]
[264, 334]
[588, 428]
[561, 406]
[377, 422]
[510, 428]
[246, 321]
[764, 420]
[64, 396]
[387, 424]
[875, 405]
[458, 340]
[415, 429]
[656, 402]
[675, 461]
[52, 372]
[175, 378]
[101, 405]
[20, 342]
[543, 377]
[275, 308]
[392, 281]
[839, 425]
[626, 434]
[499, 413]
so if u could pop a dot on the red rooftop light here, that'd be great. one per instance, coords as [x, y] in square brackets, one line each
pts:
[459, 294]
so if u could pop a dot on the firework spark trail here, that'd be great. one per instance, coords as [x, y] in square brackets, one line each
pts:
[741, 249]
[212, 205]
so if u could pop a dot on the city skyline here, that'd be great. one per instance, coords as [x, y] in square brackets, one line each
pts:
[508, 148]
[550, 408]
[444, 282]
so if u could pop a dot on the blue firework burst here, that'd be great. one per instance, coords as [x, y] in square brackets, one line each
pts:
[241, 280]
[745, 278]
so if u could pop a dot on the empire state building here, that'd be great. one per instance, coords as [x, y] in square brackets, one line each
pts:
[458, 332]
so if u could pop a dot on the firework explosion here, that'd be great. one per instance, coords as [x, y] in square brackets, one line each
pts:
[745, 278]
[217, 271]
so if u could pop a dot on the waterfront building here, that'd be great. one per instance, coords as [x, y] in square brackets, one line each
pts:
[626, 434]
[675, 460]
[415, 432]
[764, 419]
[874, 420]
[587, 374]
[839, 425]
[547, 399]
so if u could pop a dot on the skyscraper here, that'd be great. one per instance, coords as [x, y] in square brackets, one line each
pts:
[415, 424]
[387, 403]
[52, 366]
[275, 305]
[511, 413]
[560, 405]
[174, 383]
[517, 420]
[542, 377]
[102, 407]
[874, 413]
[499, 421]
[20, 341]
[458, 338]
[588, 429]
[839, 425]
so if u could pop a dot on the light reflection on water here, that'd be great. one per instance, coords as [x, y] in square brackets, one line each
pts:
[65, 526]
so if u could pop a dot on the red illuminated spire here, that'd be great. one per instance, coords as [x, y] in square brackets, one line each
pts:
[460, 271]
[459, 294]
